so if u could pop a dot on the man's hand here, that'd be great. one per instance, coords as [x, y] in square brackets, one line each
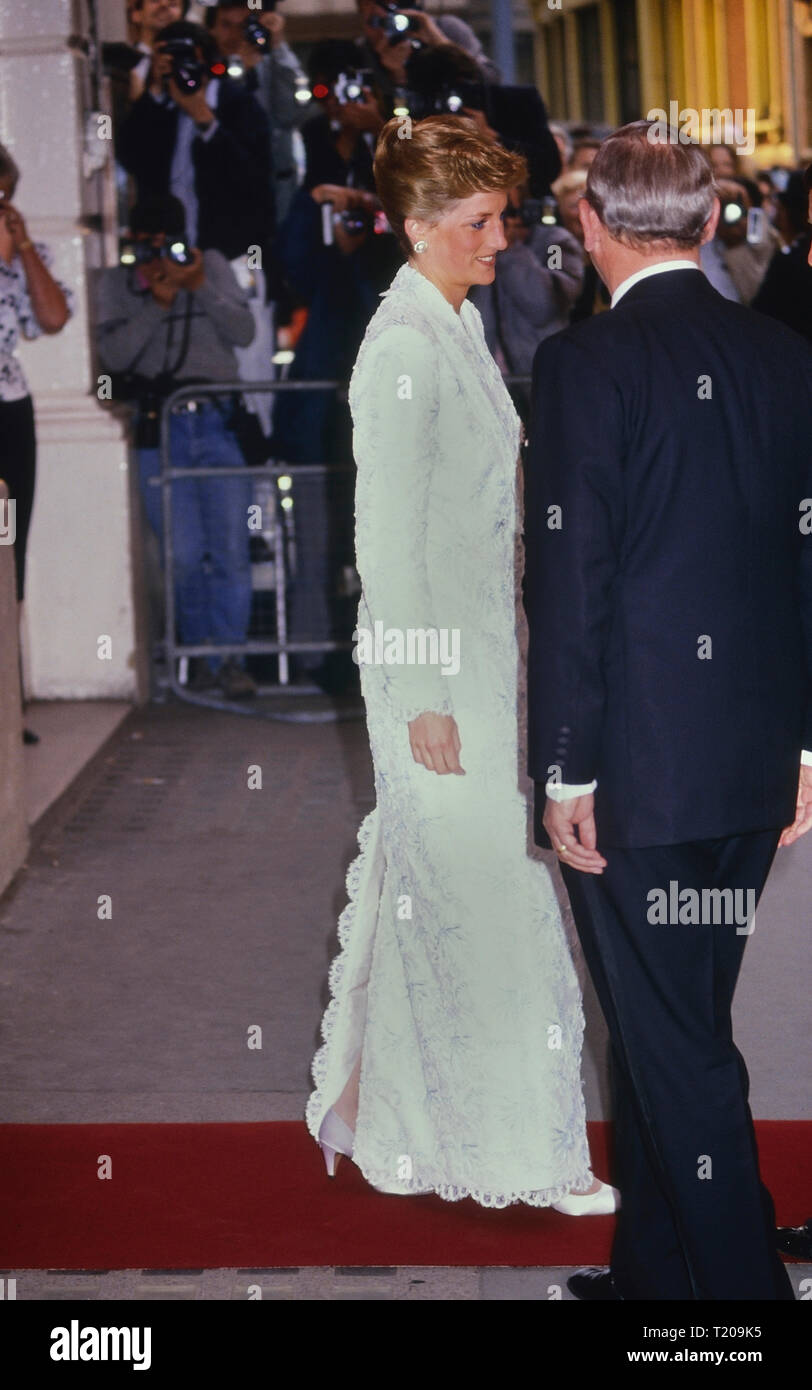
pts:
[560, 820]
[274, 22]
[193, 103]
[435, 742]
[361, 115]
[803, 813]
[187, 277]
[160, 69]
[162, 288]
[343, 198]
[394, 58]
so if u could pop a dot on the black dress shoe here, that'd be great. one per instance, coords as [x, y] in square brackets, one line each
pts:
[29, 736]
[593, 1284]
[795, 1240]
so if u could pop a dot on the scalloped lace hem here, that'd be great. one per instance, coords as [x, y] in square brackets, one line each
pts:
[451, 1192]
[316, 1106]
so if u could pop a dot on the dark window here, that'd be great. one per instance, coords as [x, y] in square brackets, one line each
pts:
[628, 60]
[589, 54]
[525, 58]
[558, 103]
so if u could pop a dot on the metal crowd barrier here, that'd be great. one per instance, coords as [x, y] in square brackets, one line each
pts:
[282, 645]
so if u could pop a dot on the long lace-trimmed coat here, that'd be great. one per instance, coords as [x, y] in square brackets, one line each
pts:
[455, 979]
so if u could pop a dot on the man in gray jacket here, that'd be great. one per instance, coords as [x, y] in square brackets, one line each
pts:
[165, 320]
[538, 279]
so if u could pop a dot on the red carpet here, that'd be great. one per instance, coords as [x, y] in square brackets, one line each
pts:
[257, 1196]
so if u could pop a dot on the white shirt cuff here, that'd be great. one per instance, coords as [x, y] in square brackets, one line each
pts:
[565, 791]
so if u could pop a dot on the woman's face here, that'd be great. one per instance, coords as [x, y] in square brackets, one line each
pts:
[463, 245]
[7, 189]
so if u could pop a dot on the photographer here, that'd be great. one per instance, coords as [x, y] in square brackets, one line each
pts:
[389, 58]
[786, 293]
[538, 279]
[170, 317]
[337, 264]
[735, 264]
[203, 138]
[339, 138]
[444, 79]
[146, 19]
[254, 40]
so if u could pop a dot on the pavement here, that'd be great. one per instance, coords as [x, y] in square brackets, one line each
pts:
[223, 902]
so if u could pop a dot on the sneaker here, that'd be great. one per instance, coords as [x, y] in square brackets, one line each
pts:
[235, 683]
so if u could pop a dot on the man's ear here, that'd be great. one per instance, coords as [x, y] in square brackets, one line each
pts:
[709, 230]
[590, 223]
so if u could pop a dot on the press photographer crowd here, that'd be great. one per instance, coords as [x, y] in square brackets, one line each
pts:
[253, 248]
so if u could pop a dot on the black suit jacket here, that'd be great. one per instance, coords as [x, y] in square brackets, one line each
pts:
[786, 291]
[232, 167]
[670, 614]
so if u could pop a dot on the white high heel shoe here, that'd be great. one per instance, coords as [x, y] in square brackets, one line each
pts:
[335, 1138]
[602, 1202]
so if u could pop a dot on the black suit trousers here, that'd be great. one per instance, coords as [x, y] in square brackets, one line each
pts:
[696, 1221]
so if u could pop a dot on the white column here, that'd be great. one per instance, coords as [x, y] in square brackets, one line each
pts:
[79, 581]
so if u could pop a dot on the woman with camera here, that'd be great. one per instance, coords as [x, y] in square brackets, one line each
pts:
[31, 302]
[451, 1061]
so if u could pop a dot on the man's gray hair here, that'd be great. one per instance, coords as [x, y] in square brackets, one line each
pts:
[646, 188]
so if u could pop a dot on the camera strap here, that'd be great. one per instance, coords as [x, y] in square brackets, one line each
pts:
[166, 370]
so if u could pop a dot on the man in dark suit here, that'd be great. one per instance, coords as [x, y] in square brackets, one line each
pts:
[210, 147]
[668, 590]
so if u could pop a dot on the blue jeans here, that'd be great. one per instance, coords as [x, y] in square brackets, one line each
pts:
[211, 559]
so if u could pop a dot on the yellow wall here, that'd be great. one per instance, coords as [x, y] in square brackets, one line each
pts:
[705, 54]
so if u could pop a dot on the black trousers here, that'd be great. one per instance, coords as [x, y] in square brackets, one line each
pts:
[18, 452]
[696, 1220]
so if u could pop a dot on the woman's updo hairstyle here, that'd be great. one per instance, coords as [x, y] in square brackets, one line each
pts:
[442, 160]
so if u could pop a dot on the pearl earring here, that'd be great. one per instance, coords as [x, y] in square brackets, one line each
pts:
[420, 246]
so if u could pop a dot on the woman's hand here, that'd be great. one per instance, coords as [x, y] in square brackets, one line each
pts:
[15, 225]
[47, 299]
[435, 742]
